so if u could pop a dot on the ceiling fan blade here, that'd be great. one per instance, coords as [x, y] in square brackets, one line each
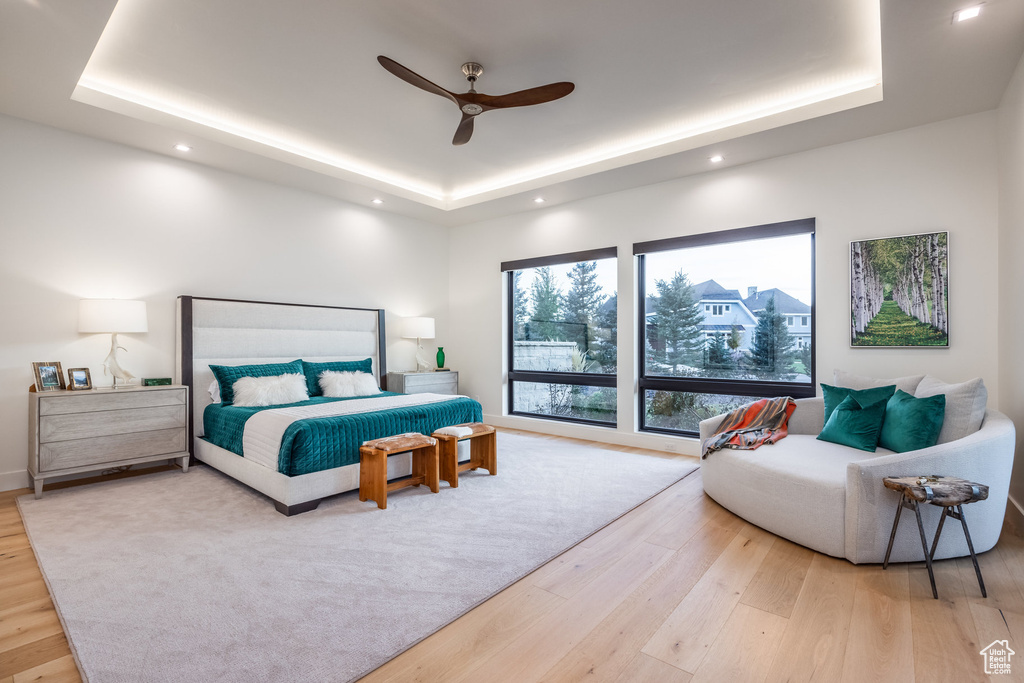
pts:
[523, 98]
[413, 78]
[464, 131]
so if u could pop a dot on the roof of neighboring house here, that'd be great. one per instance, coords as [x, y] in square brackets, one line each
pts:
[717, 328]
[784, 303]
[709, 290]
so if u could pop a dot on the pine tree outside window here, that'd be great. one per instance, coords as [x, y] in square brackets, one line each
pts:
[715, 312]
[562, 337]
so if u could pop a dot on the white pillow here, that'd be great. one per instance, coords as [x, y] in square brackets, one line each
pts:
[965, 405]
[348, 384]
[270, 391]
[851, 380]
[214, 391]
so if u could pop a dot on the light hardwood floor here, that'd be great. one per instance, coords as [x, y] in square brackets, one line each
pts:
[678, 590]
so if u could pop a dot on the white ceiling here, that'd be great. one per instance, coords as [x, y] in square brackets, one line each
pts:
[291, 91]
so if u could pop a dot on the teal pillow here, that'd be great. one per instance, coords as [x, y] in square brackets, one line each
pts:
[835, 395]
[313, 371]
[227, 375]
[854, 425]
[912, 423]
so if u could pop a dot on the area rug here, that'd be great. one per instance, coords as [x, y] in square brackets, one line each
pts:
[194, 577]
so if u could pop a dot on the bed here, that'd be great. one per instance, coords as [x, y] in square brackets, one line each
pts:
[315, 454]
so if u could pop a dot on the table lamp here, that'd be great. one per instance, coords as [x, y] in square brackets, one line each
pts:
[419, 328]
[113, 316]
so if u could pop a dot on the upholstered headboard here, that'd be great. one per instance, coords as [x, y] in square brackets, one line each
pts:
[233, 332]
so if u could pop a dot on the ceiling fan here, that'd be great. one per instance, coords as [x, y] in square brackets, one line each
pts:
[472, 103]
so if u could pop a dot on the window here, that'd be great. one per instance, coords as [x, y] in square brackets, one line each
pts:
[562, 336]
[803, 321]
[718, 309]
[687, 374]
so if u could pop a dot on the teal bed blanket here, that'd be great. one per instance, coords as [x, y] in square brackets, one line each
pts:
[316, 444]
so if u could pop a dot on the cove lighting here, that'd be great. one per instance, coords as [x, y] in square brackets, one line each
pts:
[182, 148]
[967, 13]
[716, 158]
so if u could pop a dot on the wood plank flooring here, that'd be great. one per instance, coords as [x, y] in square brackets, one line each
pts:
[678, 590]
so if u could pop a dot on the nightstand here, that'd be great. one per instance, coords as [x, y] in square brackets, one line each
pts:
[424, 382]
[82, 431]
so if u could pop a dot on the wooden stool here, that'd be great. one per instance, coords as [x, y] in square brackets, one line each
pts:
[483, 450]
[948, 492]
[373, 465]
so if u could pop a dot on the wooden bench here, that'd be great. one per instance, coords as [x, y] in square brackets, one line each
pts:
[483, 450]
[373, 466]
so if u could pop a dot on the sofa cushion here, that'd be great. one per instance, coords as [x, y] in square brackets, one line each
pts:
[912, 423]
[852, 380]
[855, 425]
[795, 488]
[965, 405]
[833, 396]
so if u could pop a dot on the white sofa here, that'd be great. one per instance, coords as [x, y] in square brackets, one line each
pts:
[830, 498]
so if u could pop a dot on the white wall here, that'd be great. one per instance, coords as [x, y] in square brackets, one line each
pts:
[81, 218]
[1011, 263]
[937, 177]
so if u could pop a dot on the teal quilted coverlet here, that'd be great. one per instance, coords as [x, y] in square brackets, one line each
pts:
[322, 443]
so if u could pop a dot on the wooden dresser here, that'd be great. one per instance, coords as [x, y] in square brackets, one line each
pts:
[82, 431]
[424, 382]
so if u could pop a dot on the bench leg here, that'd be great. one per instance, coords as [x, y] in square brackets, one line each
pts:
[484, 452]
[424, 464]
[373, 476]
[448, 457]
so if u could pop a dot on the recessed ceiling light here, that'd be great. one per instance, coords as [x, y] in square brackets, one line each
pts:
[716, 158]
[182, 147]
[377, 201]
[538, 200]
[966, 13]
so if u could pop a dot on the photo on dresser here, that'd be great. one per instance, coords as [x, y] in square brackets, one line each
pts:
[49, 376]
[79, 378]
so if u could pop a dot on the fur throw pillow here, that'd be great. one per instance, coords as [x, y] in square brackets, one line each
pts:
[270, 391]
[348, 384]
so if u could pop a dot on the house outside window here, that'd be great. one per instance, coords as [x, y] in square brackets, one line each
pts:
[686, 375]
[562, 337]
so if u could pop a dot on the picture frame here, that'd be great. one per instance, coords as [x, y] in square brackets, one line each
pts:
[49, 376]
[899, 291]
[79, 379]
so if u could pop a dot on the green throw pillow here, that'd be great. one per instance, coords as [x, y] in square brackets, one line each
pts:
[854, 425]
[835, 395]
[912, 423]
[227, 375]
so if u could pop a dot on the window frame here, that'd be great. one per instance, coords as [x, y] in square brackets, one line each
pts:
[709, 385]
[545, 377]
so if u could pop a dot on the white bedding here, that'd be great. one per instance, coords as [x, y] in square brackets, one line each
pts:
[261, 438]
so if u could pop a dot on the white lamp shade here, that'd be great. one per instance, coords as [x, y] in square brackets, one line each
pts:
[112, 315]
[418, 328]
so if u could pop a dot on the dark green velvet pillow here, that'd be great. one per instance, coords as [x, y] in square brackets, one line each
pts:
[313, 371]
[835, 395]
[854, 425]
[912, 423]
[227, 375]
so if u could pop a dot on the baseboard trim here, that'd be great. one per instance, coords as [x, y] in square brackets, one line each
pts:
[14, 480]
[1015, 512]
[676, 445]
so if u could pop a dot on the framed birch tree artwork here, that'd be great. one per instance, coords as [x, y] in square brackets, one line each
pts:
[899, 291]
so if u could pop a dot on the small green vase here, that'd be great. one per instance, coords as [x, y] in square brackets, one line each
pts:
[440, 357]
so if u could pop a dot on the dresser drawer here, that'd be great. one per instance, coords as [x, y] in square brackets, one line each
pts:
[93, 424]
[435, 383]
[88, 402]
[109, 449]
